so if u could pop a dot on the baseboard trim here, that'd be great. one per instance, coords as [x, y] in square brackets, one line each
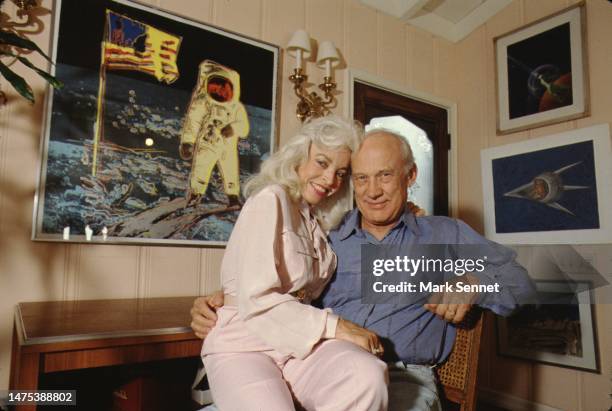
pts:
[510, 402]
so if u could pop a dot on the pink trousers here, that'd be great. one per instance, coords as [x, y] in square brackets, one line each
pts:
[335, 376]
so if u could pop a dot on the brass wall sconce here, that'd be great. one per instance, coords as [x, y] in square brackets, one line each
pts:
[312, 104]
[25, 5]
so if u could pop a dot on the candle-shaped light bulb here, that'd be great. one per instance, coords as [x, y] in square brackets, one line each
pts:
[299, 47]
[327, 57]
[298, 59]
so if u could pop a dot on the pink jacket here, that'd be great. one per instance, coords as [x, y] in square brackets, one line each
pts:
[276, 249]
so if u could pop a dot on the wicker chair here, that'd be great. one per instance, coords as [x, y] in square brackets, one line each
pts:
[457, 376]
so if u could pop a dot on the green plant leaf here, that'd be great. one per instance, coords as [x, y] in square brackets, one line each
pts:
[6, 37]
[52, 80]
[17, 82]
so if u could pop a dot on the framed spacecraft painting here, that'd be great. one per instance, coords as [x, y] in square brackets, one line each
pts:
[159, 124]
[541, 72]
[550, 190]
[559, 331]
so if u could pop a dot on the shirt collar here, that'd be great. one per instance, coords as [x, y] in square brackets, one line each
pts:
[305, 210]
[352, 222]
[410, 220]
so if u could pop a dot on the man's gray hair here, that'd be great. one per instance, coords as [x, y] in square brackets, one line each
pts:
[406, 150]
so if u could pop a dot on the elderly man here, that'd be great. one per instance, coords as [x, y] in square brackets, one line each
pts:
[416, 337]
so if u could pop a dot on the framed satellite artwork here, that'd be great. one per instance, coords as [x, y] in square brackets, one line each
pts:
[550, 190]
[541, 72]
[160, 122]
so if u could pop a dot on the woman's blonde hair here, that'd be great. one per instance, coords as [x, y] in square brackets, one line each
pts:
[332, 133]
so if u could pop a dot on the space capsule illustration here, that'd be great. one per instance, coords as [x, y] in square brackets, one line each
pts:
[547, 188]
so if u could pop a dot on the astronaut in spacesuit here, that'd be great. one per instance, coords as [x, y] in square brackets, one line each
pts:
[215, 120]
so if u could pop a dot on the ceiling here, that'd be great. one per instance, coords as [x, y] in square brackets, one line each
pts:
[450, 19]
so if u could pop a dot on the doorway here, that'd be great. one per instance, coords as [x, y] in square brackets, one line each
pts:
[371, 102]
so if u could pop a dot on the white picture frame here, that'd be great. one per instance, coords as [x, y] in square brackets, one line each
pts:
[519, 337]
[552, 49]
[521, 217]
[116, 126]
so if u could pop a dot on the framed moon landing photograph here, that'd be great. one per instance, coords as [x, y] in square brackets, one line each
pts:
[541, 72]
[160, 121]
[550, 190]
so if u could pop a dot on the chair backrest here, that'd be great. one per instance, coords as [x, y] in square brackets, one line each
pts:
[457, 375]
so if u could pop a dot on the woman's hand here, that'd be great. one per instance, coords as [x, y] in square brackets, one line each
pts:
[203, 315]
[364, 338]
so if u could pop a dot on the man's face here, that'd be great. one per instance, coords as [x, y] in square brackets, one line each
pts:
[381, 184]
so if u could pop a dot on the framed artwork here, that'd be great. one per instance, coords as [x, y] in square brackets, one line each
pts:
[550, 190]
[159, 124]
[559, 331]
[541, 72]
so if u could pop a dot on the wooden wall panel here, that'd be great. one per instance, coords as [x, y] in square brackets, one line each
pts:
[599, 31]
[203, 11]
[107, 271]
[325, 21]
[511, 376]
[535, 10]
[593, 389]
[471, 138]
[549, 393]
[422, 60]
[446, 82]
[391, 49]
[281, 19]
[173, 271]
[552, 129]
[210, 269]
[360, 49]
[241, 16]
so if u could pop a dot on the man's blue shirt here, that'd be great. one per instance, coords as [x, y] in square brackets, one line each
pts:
[410, 332]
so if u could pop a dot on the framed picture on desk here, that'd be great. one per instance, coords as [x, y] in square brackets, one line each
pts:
[160, 122]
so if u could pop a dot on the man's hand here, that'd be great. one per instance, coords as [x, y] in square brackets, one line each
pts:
[203, 316]
[362, 337]
[453, 306]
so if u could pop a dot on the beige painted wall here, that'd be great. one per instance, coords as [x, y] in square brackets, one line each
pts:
[369, 41]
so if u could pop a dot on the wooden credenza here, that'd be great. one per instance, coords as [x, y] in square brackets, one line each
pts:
[71, 335]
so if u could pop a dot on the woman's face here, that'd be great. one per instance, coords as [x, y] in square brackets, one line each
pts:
[323, 173]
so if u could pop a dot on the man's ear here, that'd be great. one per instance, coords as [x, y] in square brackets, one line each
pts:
[412, 175]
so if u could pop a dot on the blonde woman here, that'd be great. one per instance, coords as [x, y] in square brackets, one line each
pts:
[269, 346]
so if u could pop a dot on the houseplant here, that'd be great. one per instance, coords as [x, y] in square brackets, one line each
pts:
[12, 45]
